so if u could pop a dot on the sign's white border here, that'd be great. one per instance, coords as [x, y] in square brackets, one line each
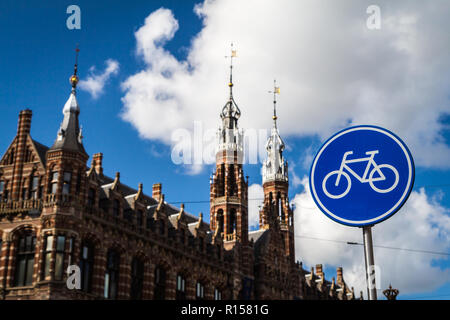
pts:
[380, 217]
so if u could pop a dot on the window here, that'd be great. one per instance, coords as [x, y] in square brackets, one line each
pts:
[78, 185]
[54, 182]
[28, 155]
[2, 189]
[199, 291]
[232, 225]
[162, 227]
[47, 256]
[104, 204]
[66, 182]
[137, 279]
[139, 217]
[111, 275]
[59, 257]
[24, 190]
[217, 294]
[91, 197]
[182, 235]
[220, 220]
[116, 207]
[232, 180]
[25, 261]
[11, 157]
[200, 244]
[181, 288]
[35, 187]
[160, 284]
[128, 214]
[86, 266]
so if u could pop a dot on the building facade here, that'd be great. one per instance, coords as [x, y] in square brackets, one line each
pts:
[60, 217]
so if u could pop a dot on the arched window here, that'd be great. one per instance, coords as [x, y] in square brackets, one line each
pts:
[232, 223]
[86, 266]
[231, 180]
[53, 181]
[137, 279]
[26, 247]
[181, 287]
[220, 220]
[111, 275]
[217, 294]
[199, 291]
[160, 283]
[66, 182]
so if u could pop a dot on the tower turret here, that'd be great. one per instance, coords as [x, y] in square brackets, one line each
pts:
[66, 159]
[229, 189]
[276, 211]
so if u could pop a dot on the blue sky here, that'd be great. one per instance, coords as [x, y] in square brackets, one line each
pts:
[37, 58]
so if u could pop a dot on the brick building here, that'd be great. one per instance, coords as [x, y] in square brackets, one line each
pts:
[55, 212]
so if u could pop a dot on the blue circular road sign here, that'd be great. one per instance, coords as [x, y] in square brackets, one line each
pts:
[362, 175]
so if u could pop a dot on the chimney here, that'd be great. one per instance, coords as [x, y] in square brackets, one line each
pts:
[24, 125]
[339, 275]
[319, 270]
[156, 191]
[97, 163]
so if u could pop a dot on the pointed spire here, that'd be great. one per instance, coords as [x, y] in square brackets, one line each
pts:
[276, 90]
[74, 77]
[275, 166]
[69, 135]
[231, 110]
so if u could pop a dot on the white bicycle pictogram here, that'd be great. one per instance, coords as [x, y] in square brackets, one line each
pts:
[367, 177]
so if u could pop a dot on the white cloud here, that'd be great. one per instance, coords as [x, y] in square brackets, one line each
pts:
[255, 196]
[422, 224]
[95, 83]
[332, 70]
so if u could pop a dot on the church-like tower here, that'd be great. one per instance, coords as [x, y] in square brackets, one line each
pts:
[229, 189]
[276, 212]
[66, 159]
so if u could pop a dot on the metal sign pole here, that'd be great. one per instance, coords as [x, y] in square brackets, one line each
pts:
[370, 264]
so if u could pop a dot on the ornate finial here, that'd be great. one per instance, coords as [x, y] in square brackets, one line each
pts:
[139, 193]
[391, 294]
[231, 56]
[74, 77]
[276, 90]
